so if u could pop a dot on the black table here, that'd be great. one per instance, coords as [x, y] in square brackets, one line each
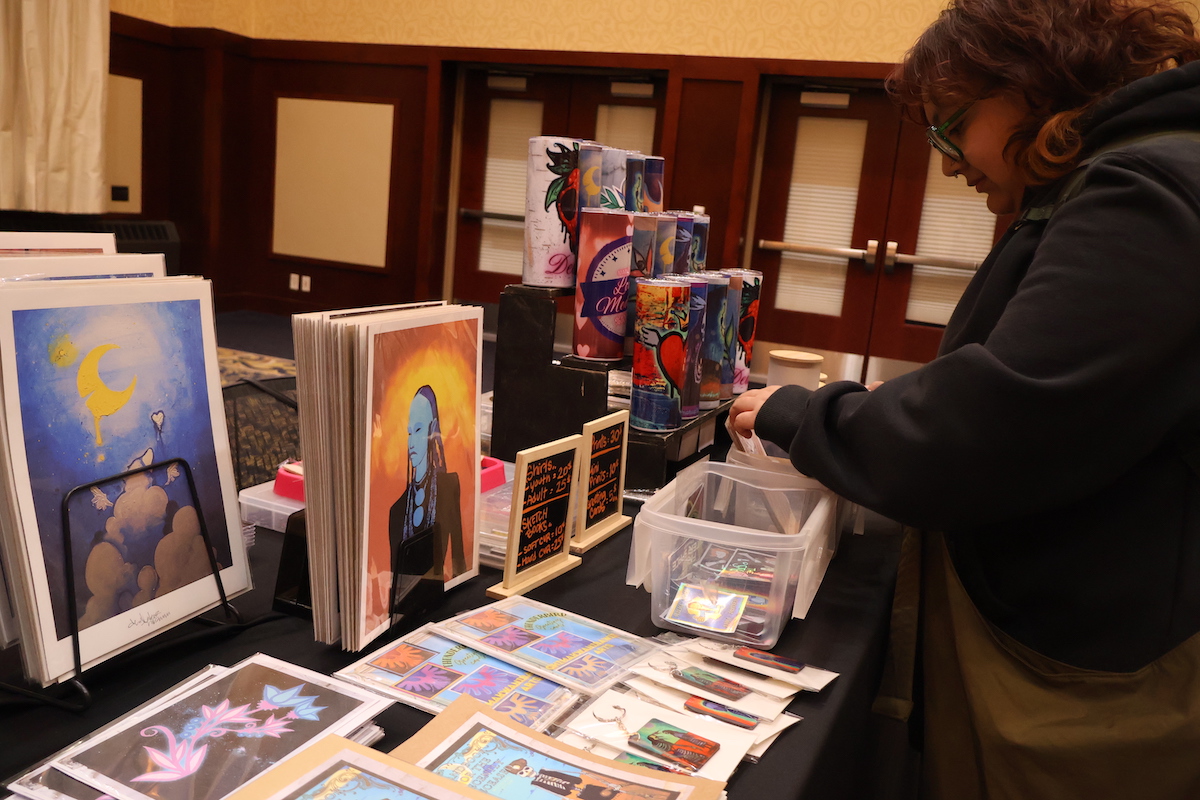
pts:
[826, 755]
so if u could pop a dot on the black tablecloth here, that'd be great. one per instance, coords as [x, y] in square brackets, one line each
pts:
[826, 755]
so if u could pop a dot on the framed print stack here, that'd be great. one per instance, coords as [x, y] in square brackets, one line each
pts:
[389, 427]
[207, 741]
[99, 377]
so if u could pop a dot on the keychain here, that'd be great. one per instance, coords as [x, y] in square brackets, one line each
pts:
[760, 657]
[670, 743]
[733, 716]
[708, 681]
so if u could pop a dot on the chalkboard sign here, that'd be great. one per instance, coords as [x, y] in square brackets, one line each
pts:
[545, 492]
[603, 473]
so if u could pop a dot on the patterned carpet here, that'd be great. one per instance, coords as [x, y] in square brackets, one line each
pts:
[237, 365]
[261, 415]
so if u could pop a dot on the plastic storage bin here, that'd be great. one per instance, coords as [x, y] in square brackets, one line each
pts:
[732, 553]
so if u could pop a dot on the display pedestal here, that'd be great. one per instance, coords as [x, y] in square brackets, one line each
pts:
[539, 398]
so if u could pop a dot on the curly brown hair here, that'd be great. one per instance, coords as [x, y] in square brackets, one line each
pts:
[1060, 57]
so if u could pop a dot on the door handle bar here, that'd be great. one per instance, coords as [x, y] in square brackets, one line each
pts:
[868, 255]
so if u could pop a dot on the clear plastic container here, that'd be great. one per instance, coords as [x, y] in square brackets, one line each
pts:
[732, 553]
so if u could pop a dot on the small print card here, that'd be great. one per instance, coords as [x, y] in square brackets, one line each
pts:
[706, 608]
[429, 671]
[567, 648]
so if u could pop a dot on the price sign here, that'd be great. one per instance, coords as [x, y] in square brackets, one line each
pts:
[545, 493]
[599, 515]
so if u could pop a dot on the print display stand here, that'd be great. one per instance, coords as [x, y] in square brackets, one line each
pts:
[540, 396]
[76, 682]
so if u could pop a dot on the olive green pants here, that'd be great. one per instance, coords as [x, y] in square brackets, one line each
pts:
[1004, 722]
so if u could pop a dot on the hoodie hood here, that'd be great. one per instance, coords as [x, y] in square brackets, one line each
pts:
[1165, 101]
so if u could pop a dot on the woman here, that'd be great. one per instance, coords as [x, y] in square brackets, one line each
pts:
[426, 519]
[1055, 441]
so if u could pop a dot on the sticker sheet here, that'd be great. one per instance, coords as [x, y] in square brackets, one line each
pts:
[580, 652]
[429, 671]
[205, 744]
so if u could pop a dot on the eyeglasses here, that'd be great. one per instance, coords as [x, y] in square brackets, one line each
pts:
[936, 134]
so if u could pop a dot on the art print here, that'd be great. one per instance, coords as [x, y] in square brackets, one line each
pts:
[488, 760]
[338, 769]
[488, 619]
[511, 638]
[580, 652]
[430, 671]
[422, 459]
[470, 744]
[102, 377]
[206, 743]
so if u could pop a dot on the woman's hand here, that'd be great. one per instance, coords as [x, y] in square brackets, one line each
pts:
[744, 411]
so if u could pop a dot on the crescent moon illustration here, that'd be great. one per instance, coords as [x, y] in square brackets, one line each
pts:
[101, 400]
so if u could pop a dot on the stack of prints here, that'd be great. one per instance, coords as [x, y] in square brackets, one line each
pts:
[389, 427]
[107, 367]
[206, 737]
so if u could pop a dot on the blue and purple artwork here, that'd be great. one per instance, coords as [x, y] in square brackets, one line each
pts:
[104, 389]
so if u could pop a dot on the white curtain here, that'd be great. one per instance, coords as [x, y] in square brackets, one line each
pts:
[53, 80]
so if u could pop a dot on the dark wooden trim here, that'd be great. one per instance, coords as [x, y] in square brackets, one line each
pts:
[135, 28]
[209, 146]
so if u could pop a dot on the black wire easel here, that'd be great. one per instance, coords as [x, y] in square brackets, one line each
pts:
[69, 569]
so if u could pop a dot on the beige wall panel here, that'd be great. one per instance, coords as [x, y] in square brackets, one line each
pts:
[123, 143]
[821, 30]
[332, 168]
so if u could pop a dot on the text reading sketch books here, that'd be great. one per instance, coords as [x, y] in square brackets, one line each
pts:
[389, 425]
[101, 377]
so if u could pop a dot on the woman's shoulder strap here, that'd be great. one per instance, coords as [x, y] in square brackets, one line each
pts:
[1074, 180]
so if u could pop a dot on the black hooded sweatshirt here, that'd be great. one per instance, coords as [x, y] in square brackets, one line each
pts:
[1050, 439]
